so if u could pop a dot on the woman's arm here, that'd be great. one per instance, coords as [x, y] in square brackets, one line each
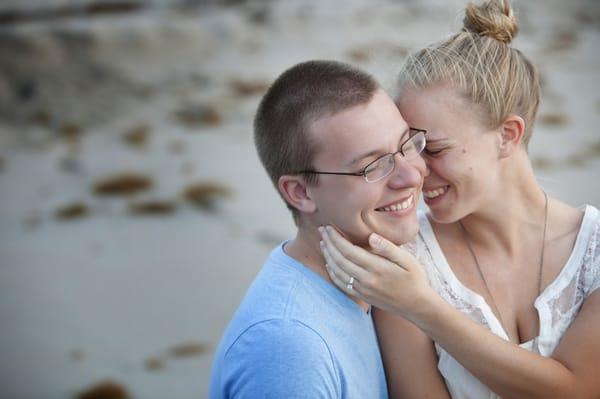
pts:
[409, 358]
[391, 278]
[514, 372]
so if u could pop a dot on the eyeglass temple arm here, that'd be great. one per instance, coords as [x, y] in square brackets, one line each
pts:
[333, 173]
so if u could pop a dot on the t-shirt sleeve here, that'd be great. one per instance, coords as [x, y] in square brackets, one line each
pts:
[279, 359]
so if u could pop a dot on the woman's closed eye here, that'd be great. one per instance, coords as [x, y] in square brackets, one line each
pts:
[433, 151]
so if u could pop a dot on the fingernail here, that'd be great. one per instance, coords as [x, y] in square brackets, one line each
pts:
[329, 229]
[321, 229]
[375, 240]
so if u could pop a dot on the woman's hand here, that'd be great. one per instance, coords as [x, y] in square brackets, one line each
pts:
[388, 277]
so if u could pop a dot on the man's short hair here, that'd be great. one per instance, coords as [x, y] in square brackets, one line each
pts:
[300, 96]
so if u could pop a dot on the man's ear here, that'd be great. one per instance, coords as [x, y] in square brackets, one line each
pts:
[293, 190]
[511, 135]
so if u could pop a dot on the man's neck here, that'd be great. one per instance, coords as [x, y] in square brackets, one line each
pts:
[305, 249]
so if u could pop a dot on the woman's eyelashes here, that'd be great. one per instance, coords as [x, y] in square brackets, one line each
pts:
[434, 151]
[438, 147]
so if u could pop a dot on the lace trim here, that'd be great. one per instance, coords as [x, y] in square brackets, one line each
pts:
[441, 285]
[563, 305]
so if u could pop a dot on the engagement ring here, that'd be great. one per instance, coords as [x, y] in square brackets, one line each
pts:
[349, 286]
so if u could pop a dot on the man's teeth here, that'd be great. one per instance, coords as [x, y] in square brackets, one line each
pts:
[434, 193]
[399, 206]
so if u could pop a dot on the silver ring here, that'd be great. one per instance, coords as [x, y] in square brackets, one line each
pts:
[349, 285]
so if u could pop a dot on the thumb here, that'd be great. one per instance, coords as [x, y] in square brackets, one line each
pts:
[387, 249]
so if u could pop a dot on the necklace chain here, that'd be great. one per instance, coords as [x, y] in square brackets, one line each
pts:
[496, 309]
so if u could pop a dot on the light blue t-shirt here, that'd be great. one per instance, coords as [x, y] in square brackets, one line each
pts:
[295, 335]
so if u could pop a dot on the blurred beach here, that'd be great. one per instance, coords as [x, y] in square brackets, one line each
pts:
[134, 212]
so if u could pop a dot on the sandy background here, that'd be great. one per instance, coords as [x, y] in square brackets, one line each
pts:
[133, 209]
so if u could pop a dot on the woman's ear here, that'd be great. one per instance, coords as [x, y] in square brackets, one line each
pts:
[512, 131]
[293, 190]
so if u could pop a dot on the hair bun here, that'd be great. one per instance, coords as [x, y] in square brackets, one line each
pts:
[493, 18]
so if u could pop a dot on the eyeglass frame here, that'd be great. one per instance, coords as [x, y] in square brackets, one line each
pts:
[363, 173]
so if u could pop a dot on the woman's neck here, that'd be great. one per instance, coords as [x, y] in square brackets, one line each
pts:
[516, 210]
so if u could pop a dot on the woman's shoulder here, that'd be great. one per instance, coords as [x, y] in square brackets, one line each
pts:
[574, 218]
[590, 231]
[588, 249]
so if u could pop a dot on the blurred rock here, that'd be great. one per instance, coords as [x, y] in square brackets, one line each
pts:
[153, 207]
[105, 390]
[32, 221]
[49, 11]
[587, 153]
[259, 14]
[245, 88]
[378, 49]
[189, 349]
[270, 239]
[137, 137]
[561, 40]
[553, 119]
[41, 118]
[154, 364]
[589, 13]
[77, 355]
[544, 163]
[75, 210]
[199, 115]
[124, 183]
[593, 150]
[576, 160]
[206, 195]
[52, 76]
[70, 131]
[71, 164]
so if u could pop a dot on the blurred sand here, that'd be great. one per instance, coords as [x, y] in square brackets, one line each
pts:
[136, 282]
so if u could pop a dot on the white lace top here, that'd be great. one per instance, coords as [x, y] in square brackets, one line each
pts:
[557, 305]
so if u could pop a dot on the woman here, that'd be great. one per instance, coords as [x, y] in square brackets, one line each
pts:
[497, 294]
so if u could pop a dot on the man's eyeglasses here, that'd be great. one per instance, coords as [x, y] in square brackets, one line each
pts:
[385, 164]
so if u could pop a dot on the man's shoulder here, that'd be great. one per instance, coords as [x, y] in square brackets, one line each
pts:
[285, 357]
[279, 292]
[286, 289]
[278, 336]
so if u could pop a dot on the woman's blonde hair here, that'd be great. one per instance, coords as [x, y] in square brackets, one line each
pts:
[481, 64]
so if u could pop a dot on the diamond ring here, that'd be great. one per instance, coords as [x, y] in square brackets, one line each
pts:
[349, 285]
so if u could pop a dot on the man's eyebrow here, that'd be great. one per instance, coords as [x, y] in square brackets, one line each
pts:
[374, 152]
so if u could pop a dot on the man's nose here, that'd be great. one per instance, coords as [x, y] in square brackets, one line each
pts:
[407, 171]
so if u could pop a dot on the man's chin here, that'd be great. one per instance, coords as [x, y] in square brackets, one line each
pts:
[401, 234]
[398, 234]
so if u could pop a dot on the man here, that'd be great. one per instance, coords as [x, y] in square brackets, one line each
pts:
[339, 153]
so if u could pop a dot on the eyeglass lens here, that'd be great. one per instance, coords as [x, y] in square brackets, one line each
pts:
[384, 165]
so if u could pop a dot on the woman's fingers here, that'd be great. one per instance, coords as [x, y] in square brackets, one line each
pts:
[391, 251]
[337, 244]
[340, 260]
[332, 267]
[349, 284]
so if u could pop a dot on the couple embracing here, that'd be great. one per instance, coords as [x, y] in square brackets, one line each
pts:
[491, 293]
